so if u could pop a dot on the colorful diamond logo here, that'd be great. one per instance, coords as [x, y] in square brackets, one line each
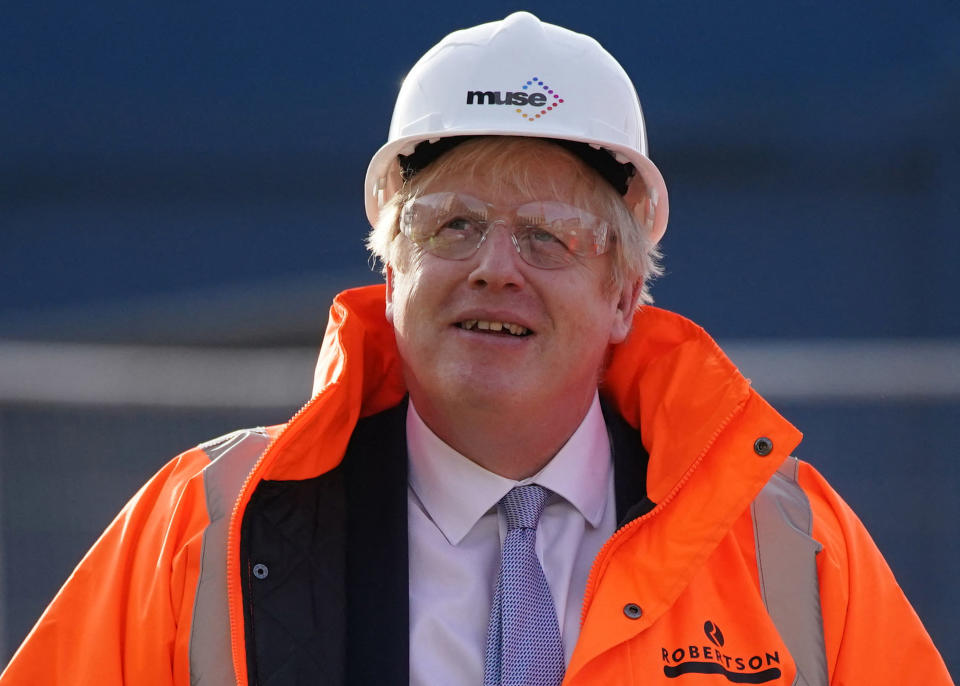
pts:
[549, 101]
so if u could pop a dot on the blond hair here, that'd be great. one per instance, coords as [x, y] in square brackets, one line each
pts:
[506, 160]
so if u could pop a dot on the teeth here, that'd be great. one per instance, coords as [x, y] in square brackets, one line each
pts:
[484, 325]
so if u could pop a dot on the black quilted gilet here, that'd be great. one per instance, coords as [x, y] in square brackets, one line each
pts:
[324, 565]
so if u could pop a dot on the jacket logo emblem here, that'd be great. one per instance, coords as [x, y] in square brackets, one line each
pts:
[707, 659]
[533, 100]
[713, 633]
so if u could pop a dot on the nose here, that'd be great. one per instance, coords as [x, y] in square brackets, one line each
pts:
[497, 261]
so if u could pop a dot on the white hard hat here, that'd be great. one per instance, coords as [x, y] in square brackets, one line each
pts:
[521, 77]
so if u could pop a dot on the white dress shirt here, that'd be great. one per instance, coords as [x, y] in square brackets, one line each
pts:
[456, 533]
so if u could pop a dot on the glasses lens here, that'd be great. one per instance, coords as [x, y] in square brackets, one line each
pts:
[552, 234]
[448, 225]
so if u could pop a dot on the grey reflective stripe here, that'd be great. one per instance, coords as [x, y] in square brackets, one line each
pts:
[786, 561]
[232, 458]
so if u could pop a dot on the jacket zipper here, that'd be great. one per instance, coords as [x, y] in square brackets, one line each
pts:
[619, 535]
[237, 649]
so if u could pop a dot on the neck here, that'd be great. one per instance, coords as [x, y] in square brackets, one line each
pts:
[514, 442]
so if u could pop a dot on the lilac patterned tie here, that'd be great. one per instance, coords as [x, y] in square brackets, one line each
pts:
[523, 639]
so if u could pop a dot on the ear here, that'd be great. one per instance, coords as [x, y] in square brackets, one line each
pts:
[389, 289]
[629, 295]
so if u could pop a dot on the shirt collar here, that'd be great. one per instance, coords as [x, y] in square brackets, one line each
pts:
[456, 492]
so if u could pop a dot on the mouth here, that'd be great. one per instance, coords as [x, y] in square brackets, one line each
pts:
[493, 327]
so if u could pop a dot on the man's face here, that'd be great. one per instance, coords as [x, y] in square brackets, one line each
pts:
[569, 315]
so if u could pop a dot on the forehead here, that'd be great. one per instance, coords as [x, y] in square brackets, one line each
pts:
[511, 169]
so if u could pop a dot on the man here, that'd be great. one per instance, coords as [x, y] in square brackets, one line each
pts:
[456, 504]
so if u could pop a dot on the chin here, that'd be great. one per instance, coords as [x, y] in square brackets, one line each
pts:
[485, 387]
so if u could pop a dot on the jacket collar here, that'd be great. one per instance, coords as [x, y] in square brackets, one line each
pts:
[669, 377]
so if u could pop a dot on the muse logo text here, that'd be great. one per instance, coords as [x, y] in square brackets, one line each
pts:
[533, 100]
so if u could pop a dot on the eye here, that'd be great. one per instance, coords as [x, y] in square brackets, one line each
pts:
[541, 235]
[544, 235]
[459, 224]
[543, 248]
[456, 234]
[458, 228]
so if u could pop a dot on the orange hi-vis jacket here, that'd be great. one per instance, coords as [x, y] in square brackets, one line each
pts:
[674, 597]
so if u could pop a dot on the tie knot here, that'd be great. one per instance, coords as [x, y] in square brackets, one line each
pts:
[523, 506]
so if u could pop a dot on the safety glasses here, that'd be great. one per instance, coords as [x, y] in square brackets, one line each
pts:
[547, 234]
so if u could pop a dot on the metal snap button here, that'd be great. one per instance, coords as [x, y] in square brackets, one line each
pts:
[260, 570]
[762, 446]
[632, 611]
